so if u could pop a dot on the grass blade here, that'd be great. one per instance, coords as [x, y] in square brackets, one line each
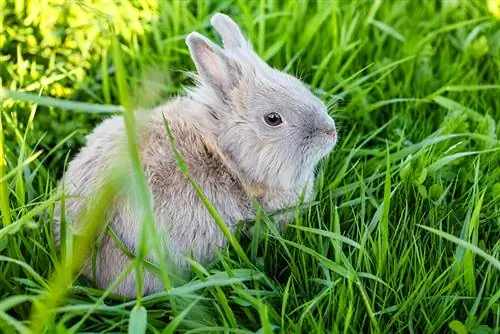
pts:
[468, 246]
[58, 103]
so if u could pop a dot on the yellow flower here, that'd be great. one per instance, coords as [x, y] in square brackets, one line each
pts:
[494, 7]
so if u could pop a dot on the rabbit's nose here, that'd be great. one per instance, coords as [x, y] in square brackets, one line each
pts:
[331, 133]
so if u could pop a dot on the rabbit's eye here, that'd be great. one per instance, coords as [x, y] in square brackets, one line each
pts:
[273, 119]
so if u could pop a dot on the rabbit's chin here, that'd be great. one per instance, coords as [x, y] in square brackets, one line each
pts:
[323, 149]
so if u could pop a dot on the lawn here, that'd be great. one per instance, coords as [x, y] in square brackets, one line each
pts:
[403, 234]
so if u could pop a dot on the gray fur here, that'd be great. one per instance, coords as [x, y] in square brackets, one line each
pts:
[231, 152]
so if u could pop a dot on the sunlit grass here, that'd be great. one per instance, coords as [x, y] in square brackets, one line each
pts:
[403, 235]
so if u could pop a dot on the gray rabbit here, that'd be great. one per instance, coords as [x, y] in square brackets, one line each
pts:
[245, 131]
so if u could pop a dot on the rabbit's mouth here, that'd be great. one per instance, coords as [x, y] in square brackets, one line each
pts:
[324, 142]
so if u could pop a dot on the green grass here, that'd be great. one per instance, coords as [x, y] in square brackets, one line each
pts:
[404, 233]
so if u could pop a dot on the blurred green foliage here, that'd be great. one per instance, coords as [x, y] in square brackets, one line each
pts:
[55, 48]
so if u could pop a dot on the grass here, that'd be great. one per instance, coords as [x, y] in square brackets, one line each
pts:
[404, 232]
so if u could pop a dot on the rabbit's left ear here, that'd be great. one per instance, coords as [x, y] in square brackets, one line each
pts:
[229, 31]
[214, 67]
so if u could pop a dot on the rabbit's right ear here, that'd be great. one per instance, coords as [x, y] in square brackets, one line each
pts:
[214, 67]
[229, 31]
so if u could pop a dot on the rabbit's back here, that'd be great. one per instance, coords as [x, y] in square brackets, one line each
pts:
[89, 169]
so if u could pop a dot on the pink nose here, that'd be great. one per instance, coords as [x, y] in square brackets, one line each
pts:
[331, 133]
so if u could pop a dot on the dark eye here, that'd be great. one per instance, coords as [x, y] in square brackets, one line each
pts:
[273, 119]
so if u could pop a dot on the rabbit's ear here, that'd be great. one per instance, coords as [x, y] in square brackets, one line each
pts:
[214, 67]
[229, 31]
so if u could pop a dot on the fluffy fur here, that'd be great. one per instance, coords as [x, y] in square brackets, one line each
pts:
[232, 153]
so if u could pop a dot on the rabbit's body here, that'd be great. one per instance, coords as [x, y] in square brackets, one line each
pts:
[190, 232]
[245, 132]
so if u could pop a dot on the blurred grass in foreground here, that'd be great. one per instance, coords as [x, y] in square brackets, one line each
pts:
[404, 234]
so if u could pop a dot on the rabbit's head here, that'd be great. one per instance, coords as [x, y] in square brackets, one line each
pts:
[269, 125]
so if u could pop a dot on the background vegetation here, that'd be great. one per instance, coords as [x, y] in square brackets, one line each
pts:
[404, 235]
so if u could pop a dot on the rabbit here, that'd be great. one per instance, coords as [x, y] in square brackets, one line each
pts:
[245, 131]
